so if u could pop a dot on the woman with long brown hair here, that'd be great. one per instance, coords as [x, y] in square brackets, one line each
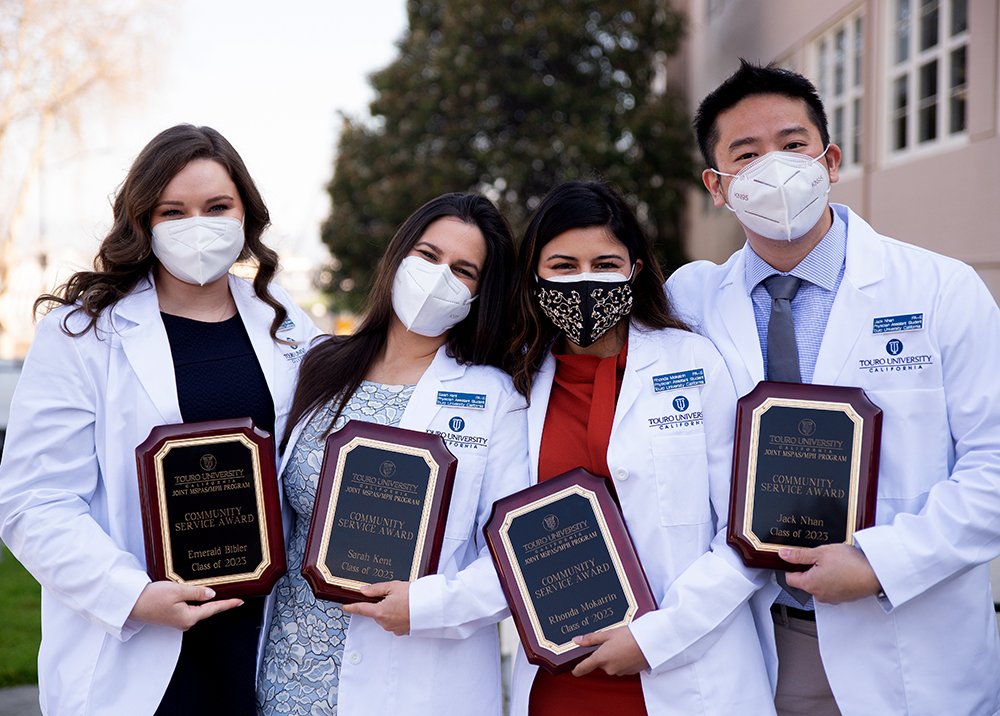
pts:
[619, 386]
[423, 359]
[158, 333]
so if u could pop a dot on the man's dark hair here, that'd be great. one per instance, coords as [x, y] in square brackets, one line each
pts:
[747, 81]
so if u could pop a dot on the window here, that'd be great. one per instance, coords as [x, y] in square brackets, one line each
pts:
[928, 72]
[837, 69]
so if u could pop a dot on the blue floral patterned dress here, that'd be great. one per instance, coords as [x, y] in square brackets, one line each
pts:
[305, 640]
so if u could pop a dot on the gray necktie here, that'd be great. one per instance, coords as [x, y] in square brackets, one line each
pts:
[782, 352]
[783, 361]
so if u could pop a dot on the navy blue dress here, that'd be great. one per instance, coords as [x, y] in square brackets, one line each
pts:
[218, 377]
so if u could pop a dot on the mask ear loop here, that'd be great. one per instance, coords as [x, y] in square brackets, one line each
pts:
[726, 194]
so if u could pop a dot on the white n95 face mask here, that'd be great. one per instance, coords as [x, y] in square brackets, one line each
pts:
[780, 195]
[427, 297]
[198, 249]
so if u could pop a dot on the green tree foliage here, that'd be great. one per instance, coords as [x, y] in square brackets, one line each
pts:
[510, 98]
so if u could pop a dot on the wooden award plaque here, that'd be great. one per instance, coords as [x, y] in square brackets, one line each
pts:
[805, 469]
[381, 506]
[567, 566]
[210, 509]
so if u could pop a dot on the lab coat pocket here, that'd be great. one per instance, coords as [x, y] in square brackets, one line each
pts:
[915, 434]
[465, 495]
[681, 468]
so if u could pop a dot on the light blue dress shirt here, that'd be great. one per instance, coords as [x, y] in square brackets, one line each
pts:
[821, 272]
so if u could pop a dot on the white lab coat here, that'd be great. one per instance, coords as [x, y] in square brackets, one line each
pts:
[69, 500]
[931, 646]
[672, 478]
[449, 663]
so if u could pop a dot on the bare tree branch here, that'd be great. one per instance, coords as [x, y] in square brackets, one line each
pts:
[57, 57]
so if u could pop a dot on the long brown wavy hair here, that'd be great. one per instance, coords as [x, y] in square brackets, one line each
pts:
[578, 205]
[334, 369]
[126, 254]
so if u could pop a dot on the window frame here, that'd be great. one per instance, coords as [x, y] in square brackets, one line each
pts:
[850, 102]
[913, 73]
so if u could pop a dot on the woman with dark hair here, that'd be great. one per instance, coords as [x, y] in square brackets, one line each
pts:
[422, 359]
[158, 333]
[619, 386]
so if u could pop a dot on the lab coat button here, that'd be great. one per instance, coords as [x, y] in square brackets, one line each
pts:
[621, 474]
[354, 657]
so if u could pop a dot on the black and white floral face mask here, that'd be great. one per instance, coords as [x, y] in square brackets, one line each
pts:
[585, 306]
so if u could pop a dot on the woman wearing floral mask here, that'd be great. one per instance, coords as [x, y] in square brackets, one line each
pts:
[618, 385]
[432, 330]
[158, 333]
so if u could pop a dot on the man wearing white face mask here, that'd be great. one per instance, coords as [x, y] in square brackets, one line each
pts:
[903, 621]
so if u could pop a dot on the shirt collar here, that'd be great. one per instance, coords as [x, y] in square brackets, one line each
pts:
[821, 266]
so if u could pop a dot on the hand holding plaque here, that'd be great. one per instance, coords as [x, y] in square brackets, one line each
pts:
[381, 506]
[210, 510]
[805, 469]
[567, 566]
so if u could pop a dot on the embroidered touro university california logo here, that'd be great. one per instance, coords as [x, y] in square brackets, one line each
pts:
[681, 403]
[896, 360]
[456, 424]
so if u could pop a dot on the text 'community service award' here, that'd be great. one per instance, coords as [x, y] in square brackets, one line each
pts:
[381, 506]
[805, 470]
[210, 509]
[567, 566]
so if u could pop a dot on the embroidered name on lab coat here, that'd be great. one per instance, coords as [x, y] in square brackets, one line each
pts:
[896, 324]
[476, 401]
[675, 381]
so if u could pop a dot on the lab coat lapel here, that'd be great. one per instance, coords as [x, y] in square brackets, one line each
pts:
[865, 267]
[641, 353]
[257, 317]
[540, 391]
[422, 408]
[136, 320]
[736, 310]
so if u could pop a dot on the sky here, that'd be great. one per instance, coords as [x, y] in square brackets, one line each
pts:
[271, 77]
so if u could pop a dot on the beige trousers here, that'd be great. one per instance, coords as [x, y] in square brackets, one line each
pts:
[802, 686]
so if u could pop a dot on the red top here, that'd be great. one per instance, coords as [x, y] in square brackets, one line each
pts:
[576, 434]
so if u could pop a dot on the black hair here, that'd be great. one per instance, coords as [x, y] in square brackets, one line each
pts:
[750, 80]
[333, 369]
[577, 205]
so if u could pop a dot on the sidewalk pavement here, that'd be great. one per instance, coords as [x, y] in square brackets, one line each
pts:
[19, 701]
